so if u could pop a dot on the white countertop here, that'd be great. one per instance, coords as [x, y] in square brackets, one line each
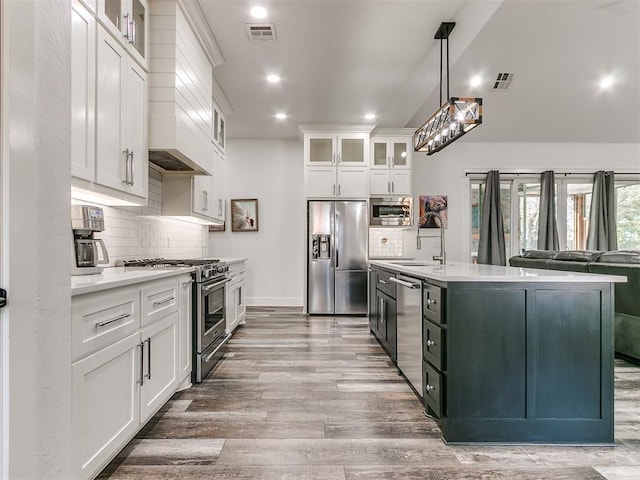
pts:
[231, 260]
[113, 277]
[468, 272]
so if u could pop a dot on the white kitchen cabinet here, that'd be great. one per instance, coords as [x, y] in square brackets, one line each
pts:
[83, 92]
[184, 330]
[126, 21]
[160, 361]
[105, 404]
[391, 153]
[336, 149]
[191, 198]
[390, 182]
[218, 205]
[121, 153]
[219, 131]
[123, 370]
[336, 162]
[235, 304]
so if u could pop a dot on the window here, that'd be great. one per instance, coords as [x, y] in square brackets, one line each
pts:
[520, 201]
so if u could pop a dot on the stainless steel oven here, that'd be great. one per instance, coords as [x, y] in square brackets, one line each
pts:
[390, 211]
[209, 325]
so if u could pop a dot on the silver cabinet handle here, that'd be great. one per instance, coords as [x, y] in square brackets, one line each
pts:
[404, 283]
[148, 342]
[205, 196]
[428, 388]
[382, 312]
[382, 281]
[430, 343]
[107, 322]
[334, 189]
[160, 302]
[431, 302]
[141, 379]
[393, 188]
[131, 167]
[133, 31]
[219, 207]
[338, 189]
[127, 34]
[125, 153]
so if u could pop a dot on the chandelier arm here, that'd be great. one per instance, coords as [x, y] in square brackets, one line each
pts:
[441, 72]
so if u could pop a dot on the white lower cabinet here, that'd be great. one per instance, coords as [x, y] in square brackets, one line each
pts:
[120, 385]
[236, 308]
[106, 410]
[159, 360]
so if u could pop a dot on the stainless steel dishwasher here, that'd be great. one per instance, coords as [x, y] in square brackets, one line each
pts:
[409, 305]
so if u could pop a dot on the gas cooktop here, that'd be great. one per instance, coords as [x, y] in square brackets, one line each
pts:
[206, 269]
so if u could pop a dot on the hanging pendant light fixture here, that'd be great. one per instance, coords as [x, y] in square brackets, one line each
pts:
[454, 118]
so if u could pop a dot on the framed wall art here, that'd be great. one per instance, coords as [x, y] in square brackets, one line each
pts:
[433, 211]
[244, 215]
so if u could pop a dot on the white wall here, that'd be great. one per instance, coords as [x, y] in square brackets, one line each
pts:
[272, 172]
[36, 240]
[444, 173]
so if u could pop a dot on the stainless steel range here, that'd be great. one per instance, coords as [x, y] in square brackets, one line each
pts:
[208, 300]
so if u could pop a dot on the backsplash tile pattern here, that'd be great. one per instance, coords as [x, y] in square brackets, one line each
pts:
[139, 232]
[385, 242]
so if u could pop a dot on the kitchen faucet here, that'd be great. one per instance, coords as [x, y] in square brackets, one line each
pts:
[442, 258]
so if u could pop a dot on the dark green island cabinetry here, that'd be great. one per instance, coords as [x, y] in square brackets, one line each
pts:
[516, 356]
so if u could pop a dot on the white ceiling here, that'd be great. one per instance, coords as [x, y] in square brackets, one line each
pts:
[340, 59]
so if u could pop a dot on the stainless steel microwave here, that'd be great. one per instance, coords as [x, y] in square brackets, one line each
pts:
[390, 211]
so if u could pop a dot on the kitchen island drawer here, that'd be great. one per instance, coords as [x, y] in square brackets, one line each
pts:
[432, 303]
[384, 284]
[159, 299]
[433, 384]
[433, 344]
[102, 318]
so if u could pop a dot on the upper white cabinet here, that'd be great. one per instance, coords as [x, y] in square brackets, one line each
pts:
[127, 22]
[121, 153]
[336, 161]
[390, 162]
[348, 149]
[192, 198]
[109, 116]
[83, 92]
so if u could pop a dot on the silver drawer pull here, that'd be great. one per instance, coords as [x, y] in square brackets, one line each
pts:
[107, 322]
[430, 343]
[431, 302]
[428, 388]
[160, 302]
[382, 282]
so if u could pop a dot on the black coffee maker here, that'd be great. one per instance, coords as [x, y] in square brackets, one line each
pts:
[88, 252]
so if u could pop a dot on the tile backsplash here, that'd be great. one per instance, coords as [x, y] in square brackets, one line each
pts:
[385, 242]
[140, 232]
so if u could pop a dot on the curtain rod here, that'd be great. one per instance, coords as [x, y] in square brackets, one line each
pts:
[466, 174]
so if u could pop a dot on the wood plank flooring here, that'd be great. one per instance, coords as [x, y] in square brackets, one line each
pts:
[299, 397]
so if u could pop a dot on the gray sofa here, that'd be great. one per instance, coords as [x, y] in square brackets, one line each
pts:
[627, 295]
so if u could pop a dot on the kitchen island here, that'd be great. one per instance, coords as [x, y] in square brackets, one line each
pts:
[509, 355]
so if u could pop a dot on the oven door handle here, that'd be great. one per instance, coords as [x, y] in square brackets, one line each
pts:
[214, 285]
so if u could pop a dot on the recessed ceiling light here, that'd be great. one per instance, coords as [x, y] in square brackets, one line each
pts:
[258, 12]
[281, 116]
[370, 116]
[273, 78]
[475, 81]
[606, 82]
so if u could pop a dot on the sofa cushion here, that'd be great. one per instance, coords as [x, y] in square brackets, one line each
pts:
[540, 254]
[524, 262]
[578, 255]
[620, 256]
[627, 295]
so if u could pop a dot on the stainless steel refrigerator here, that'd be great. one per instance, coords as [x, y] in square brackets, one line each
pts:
[337, 257]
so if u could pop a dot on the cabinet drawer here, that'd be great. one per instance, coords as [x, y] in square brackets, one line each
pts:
[433, 390]
[159, 299]
[383, 284]
[433, 344]
[102, 318]
[432, 303]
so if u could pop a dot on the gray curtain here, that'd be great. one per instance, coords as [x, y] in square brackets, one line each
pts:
[491, 247]
[547, 225]
[602, 216]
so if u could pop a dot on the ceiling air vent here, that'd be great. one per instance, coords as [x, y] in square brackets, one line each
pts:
[503, 82]
[261, 32]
